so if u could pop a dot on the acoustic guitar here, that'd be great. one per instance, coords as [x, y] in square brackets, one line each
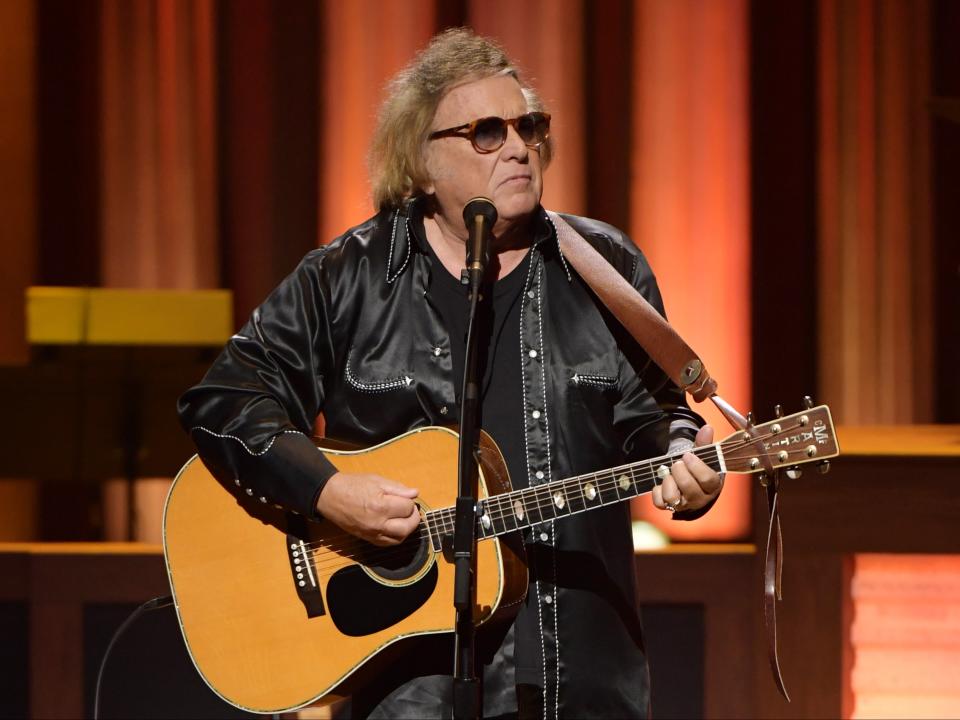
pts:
[279, 612]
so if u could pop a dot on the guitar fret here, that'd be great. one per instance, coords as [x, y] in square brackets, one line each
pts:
[433, 531]
[560, 501]
[576, 500]
[509, 513]
[497, 516]
[484, 525]
[531, 505]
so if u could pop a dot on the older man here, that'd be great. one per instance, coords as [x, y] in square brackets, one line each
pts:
[369, 330]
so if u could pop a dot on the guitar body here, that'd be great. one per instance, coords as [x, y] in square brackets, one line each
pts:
[279, 612]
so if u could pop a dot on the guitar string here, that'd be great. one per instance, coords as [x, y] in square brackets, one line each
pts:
[322, 556]
[544, 497]
[543, 494]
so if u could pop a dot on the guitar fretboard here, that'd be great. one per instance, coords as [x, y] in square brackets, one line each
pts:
[520, 509]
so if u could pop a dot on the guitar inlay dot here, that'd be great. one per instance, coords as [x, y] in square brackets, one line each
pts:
[624, 482]
[663, 472]
[559, 500]
[518, 509]
[590, 491]
[485, 521]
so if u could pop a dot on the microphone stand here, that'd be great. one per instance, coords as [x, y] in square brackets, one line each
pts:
[479, 216]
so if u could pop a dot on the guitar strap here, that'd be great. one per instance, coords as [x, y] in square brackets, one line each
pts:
[682, 365]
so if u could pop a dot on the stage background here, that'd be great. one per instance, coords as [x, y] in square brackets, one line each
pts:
[791, 170]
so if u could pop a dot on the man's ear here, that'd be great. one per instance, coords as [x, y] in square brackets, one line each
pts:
[428, 187]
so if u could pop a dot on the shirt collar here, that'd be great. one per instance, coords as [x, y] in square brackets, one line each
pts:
[409, 221]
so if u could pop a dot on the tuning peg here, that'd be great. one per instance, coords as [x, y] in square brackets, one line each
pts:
[778, 411]
[794, 472]
[807, 402]
[823, 467]
[750, 418]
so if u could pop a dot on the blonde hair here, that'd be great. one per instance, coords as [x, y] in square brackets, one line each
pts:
[397, 165]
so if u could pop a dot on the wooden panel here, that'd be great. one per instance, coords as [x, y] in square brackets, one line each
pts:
[874, 505]
[100, 316]
[17, 171]
[690, 200]
[158, 130]
[875, 248]
[56, 580]
[811, 632]
[905, 636]
[900, 440]
[67, 316]
[354, 71]
[783, 196]
[728, 588]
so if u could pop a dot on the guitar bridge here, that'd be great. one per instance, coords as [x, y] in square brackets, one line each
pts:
[304, 576]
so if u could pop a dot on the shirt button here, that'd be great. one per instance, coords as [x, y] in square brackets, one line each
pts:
[548, 599]
[533, 353]
[544, 537]
[535, 414]
[249, 491]
[443, 410]
[530, 294]
[539, 474]
[437, 350]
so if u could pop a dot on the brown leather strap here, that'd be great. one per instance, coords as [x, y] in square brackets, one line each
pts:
[772, 580]
[682, 365]
[773, 555]
[662, 343]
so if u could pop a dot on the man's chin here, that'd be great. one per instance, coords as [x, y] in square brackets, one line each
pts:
[517, 207]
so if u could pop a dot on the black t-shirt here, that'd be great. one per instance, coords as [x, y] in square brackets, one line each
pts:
[501, 409]
[501, 387]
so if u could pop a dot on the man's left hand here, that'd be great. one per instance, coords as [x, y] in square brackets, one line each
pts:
[692, 483]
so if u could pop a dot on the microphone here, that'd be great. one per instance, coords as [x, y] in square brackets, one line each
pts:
[479, 215]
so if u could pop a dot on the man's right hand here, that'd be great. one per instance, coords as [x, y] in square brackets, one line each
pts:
[371, 507]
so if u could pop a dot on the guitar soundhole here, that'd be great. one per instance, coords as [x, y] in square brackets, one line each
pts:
[400, 562]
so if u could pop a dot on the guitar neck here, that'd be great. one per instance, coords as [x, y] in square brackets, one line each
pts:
[520, 509]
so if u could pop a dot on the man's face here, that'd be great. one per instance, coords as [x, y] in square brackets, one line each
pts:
[511, 176]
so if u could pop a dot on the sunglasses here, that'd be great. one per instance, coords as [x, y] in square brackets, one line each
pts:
[488, 134]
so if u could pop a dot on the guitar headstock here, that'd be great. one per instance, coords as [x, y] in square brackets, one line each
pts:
[804, 437]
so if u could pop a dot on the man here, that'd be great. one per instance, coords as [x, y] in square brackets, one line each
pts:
[370, 331]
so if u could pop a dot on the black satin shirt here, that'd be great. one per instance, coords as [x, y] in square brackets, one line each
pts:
[354, 333]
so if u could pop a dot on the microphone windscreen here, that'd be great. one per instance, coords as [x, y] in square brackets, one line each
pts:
[479, 206]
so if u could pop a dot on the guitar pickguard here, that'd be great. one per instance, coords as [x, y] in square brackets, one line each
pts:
[359, 605]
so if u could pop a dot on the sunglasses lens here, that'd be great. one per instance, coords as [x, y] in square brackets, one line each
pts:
[490, 133]
[533, 128]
